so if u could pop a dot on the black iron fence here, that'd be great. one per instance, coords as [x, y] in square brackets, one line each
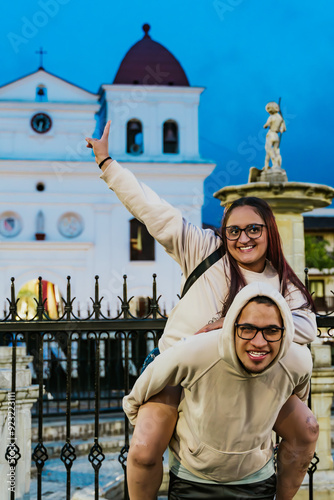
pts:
[92, 361]
[324, 304]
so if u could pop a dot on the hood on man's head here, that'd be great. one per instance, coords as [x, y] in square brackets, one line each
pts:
[255, 289]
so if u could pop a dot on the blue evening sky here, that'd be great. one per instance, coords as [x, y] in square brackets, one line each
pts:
[244, 52]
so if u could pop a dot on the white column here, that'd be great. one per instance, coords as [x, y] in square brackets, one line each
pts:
[322, 398]
[291, 228]
[26, 395]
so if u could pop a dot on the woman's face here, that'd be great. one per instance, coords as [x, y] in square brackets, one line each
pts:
[248, 253]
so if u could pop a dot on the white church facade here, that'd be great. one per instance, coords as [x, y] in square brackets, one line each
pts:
[57, 218]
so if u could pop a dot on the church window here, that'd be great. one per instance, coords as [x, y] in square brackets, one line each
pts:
[141, 242]
[134, 137]
[41, 93]
[170, 137]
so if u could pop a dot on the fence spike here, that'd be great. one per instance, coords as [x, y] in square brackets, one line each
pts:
[97, 301]
[306, 278]
[68, 305]
[40, 304]
[154, 303]
[125, 303]
[12, 303]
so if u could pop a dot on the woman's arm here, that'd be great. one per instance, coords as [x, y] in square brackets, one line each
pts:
[186, 243]
[305, 326]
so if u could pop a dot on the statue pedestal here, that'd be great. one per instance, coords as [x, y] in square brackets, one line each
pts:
[267, 175]
[26, 395]
[288, 201]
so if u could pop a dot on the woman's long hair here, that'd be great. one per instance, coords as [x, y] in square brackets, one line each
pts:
[274, 253]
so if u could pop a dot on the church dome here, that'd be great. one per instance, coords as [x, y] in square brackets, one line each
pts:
[149, 63]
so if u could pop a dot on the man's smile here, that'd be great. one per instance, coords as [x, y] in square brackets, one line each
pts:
[257, 355]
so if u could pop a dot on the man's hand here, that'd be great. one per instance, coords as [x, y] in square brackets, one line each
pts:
[100, 146]
[212, 326]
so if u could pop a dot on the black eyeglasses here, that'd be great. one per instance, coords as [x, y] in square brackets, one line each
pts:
[253, 231]
[270, 333]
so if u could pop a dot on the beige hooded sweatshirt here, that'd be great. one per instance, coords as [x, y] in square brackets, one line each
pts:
[226, 414]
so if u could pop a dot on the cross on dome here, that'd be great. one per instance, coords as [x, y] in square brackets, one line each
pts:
[146, 28]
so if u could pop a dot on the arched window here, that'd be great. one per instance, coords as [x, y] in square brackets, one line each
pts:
[41, 93]
[170, 137]
[134, 137]
[141, 242]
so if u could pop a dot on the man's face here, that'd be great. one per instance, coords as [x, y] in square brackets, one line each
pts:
[255, 355]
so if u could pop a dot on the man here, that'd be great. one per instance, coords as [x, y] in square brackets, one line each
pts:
[235, 381]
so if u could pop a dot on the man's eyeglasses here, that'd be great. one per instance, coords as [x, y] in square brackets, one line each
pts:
[270, 333]
[253, 231]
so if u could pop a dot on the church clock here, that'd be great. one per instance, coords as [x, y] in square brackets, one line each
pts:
[41, 123]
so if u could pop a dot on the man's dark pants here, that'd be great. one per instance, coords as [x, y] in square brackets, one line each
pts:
[180, 489]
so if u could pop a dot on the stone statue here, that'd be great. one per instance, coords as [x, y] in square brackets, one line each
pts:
[276, 125]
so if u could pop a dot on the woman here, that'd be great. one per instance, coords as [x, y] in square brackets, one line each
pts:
[245, 258]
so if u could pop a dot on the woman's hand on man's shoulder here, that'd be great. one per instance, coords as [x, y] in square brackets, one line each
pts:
[212, 326]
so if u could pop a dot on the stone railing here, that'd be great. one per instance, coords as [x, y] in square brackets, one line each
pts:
[15, 418]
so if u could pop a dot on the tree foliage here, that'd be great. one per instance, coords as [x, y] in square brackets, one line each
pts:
[316, 254]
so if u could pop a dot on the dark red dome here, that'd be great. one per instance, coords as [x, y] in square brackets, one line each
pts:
[149, 63]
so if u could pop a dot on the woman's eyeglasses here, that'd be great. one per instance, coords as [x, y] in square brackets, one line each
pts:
[253, 231]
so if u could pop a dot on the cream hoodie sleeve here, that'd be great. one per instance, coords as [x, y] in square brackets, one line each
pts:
[299, 357]
[186, 243]
[305, 326]
[303, 319]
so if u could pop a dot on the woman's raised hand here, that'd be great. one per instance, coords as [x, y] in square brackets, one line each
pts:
[100, 146]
